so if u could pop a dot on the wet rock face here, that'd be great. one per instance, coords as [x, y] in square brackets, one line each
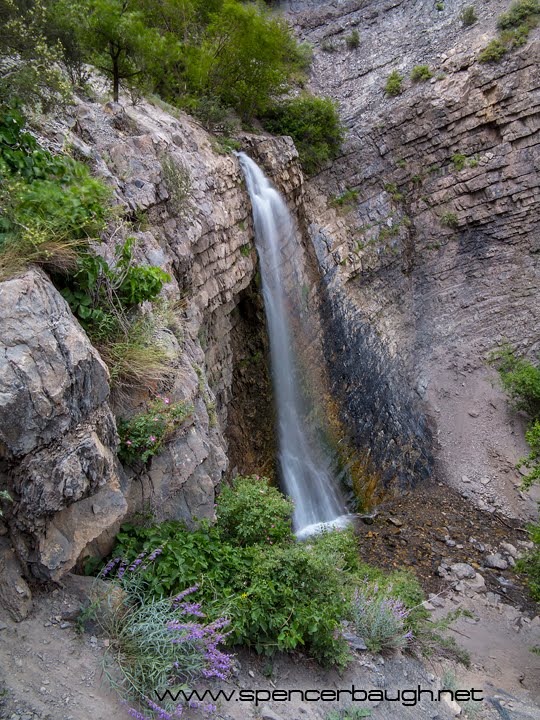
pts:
[58, 433]
[438, 255]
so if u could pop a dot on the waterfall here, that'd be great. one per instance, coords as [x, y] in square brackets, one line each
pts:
[305, 469]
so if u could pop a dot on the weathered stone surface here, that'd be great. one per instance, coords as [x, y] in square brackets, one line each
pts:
[58, 432]
[50, 375]
[15, 595]
[496, 561]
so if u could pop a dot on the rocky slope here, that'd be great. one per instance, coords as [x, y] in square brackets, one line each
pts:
[433, 265]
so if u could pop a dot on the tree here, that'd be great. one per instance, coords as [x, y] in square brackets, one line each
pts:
[117, 40]
[247, 56]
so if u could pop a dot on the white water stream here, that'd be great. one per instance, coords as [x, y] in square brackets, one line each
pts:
[306, 471]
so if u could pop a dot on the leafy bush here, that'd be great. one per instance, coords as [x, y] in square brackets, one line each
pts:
[314, 125]
[459, 161]
[520, 379]
[29, 65]
[51, 206]
[143, 435]
[245, 520]
[158, 644]
[450, 219]
[468, 16]
[519, 12]
[394, 84]
[421, 73]
[493, 52]
[279, 596]
[277, 593]
[353, 40]
[379, 619]
[530, 563]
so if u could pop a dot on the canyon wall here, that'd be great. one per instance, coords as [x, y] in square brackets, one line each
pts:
[435, 260]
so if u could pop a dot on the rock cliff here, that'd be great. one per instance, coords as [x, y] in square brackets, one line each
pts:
[57, 429]
[436, 256]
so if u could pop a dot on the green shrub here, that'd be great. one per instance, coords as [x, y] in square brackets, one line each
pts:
[278, 594]
[493, 52]
[98, 293]
[439, 6]
[143, 435]
[468, 16]
[450, 219]
[50, 204]
[353, 40]
[459, 161]
[346, 200]
[314, 125]
[521, 380]
[519, 12]
[394, 84]
[253, 512]
[278, 597]
[530, 563]
[421, 73]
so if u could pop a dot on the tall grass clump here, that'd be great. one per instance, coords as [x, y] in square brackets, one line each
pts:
[379, 618]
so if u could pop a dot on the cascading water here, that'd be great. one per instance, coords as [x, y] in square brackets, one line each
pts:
[306, 472]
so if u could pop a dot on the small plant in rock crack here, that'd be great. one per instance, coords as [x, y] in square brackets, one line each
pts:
[158, 644]
[143, 435]
[380, 619]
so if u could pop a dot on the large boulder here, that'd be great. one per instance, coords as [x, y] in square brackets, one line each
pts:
[57, 433]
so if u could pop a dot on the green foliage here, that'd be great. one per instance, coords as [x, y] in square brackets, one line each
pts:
[245, 250]
[439, 6]
[99, 293]
[392, 189]
[468, 16]
[350, 713]
[459, 161]
[519, 12]
[493, 52]
[314, 125]
[50, 205]
[347, 199]
[226, 146]
[278, 594]
[450, 219]
[530, 563]
[29, 65]
[421, 73]
[521, 380]
[353, 40]
[394, 84]
[253, 512]
[143, 435]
